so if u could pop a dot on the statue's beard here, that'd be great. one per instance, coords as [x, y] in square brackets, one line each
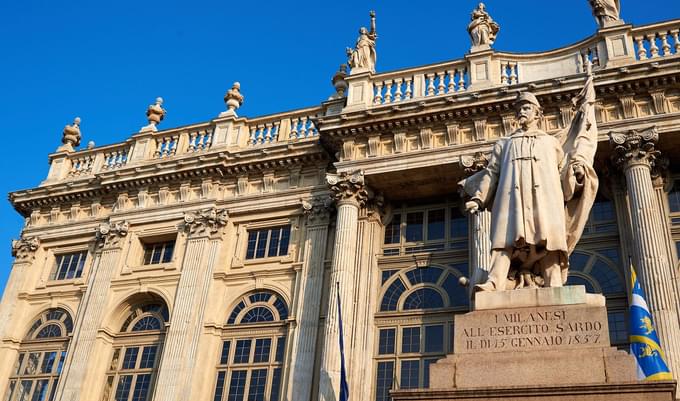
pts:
[525, 123]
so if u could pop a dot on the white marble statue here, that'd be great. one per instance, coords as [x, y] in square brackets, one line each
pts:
[606, 12]
[540, 189]
[363, 56]
[482, 28]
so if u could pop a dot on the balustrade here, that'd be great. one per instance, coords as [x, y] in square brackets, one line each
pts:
[200, 140]
[401, 86]
[657, 41]
[115, 158]
[509, 72]
[81, 165]
[166, 146]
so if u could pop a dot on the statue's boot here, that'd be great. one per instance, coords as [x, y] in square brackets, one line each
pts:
[488, 286]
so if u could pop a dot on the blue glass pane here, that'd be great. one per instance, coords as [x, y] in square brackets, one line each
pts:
[130, 359]
[49, 331]
[237, 309]
[576, 280]
[384, 379]
[123, 388]
[434, 338]
[285, 239]
[386, 274]
[263, 348]
[40, 391]
[280, 348]
[147, 323]
[282, 308]
[219, 386]
[424, 275]
[618, 331]
[426, 371]
[458, 224]
[410, 340]
[424, 298]
[609, 280]
[224, 358]
[260, 297]
[410, 371]
[237, 385]
[391, 298]
[577, 261]
[142, 385]
[48, 362]
[258, 382]
[274, 243]
[242, 351]
[252, 240]
[435, 224]
[457, 294]
[414, 227]
[276, 385]
[386, 342]
[392, 234]
[258, 314]
[148, 357]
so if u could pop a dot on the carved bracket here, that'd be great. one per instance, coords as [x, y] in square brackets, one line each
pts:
[317, 210]
[474, 163]
[206, 222]
[348, 187]
[23, 249]
[110, 235]
[635, 147]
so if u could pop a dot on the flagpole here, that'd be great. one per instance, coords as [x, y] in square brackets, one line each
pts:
[344, 387]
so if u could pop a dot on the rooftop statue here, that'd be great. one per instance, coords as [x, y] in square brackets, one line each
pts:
[483, 29]
[540, 189]
[606, 12]
[363, 57]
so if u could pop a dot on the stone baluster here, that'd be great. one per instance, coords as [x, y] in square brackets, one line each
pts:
[350, 194]
[110, 241]
[269, 133]
[641, 52]
[635, 153]
[207, 139]
[513, 73]
[378, 99]
[408, 93]
[397, 89]
[192, 141]
[441, 87]
[480, 228]
[676, 39]
[653, 48]
[430, 84]
[174, 141]
[253, 138]
[276, 130]
[204, 230]
[461, 79]
[261, 129]
[452, 81]
[303, 127]
[293, 129]
[309, 298]
[665, 46]
[388, 91]
[504, 73]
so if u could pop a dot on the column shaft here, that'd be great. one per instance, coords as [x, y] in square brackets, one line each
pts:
[14, 284]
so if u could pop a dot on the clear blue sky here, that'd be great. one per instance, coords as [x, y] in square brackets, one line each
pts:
[106, 61]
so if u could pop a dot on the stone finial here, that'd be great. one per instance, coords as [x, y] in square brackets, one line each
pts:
[154, 114]
[606, 12]
[635, 147]
[363, 57]
[233, 99]
[71, 136]
[482, 29]
[339, 82]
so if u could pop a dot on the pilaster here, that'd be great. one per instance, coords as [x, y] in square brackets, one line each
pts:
[317, 212]
[636, 154]
[23, 250]
[204, 232]
[109, 239]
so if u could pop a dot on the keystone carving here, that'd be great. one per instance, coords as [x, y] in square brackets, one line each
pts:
[348, 187]
[208, 222]
[634, 148]
[109, 235]
[317, 210]
[23, 249]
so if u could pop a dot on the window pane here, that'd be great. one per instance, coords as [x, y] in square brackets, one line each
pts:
[130, 359]
[252, 240]
[261, 243]
[458, 224]
[410, 371]
[148, 357]
[224, 358]
[392, 233]
[414, 227]
[617, 327]
[384, 379]
[10, 389]
[40, 391]
[156, 253]
[148, 251]
[48, 362]
[274, 242]
[24, 390]
[61, 362]
[31, 364]
[285, 239]
[386, 343]
[63, 266]
[141, 387]
[434, 338]
[276, 384]
[280, 347]
[410, 339]
[426, 371]
[237, 385]
[18, 365]
[242, 351]
[81, 264]
[219, 386]
[262, 349]
[258, 381]
[167, 253]
[123, 388]
[73, 266]
[435, 224]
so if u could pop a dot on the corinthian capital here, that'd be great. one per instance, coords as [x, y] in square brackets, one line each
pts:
[348, 188]
[473, 163]
[23, 249]
[634, 147]
[109, 235]
[317, 210]
[206, 222]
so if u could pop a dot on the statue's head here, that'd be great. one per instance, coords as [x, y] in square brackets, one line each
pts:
[481, 7]
[528, 110]
[363, 30]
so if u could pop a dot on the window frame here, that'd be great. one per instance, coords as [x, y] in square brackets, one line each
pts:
[269, 227]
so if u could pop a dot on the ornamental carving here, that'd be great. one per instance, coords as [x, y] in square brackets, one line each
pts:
[206, 222]
[635, 147]
[474, 163]
[110, 235]
[317, 210]
[348, 187]
[23, 249]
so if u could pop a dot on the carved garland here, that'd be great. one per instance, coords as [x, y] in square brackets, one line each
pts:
[206, 222]
[110, 234]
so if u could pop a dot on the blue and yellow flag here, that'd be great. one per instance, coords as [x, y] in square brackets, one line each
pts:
[644, 343]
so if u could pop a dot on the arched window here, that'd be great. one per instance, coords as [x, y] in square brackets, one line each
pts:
[415, 323]
[253, 346]
[136, 353]
[599, 273]
[41, 357]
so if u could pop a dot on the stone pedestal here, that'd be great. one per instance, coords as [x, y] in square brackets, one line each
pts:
[538, 344]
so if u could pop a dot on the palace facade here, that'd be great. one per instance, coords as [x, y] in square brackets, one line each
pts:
[204, 262]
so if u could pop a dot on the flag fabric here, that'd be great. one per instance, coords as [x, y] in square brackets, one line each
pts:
[644, 342]
[344, 388]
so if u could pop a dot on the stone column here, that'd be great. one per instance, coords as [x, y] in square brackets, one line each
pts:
[635, 153]
[618, 189]
[91, 309]
[204, 230]
[309, 299]
[23, 251]
[350, 194]
[479, 227]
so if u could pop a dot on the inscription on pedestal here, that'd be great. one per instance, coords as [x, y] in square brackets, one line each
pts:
[531, 329]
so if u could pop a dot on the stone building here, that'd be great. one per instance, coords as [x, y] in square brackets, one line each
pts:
[201, 262]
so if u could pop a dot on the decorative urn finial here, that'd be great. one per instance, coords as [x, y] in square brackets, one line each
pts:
[154, 114]
[71, 136]
[233, 99]
[339, 82]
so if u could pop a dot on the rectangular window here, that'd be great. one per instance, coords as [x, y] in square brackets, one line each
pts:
[458, 224]
[69, 266]
[435, 224]
[258, 381]
[242, 351]
[414, 227]
[158, 252]
[219, 386]
[268, 242]
[410, 374]
[262, 348]
[393, 230]
[237, 386]
[410, 340]
[434, 338]
[385, 377]
[130, 359]
[386, 343]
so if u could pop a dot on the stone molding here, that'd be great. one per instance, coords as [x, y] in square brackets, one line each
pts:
[23, 249]
[318, 210]
[348, 188]
[110, 235]
[474, 163]
[635, 147]
[208, 222]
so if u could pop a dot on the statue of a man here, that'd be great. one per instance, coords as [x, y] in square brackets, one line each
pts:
[482, 28]
[363, 56]
[605, 11]
[540, 189]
